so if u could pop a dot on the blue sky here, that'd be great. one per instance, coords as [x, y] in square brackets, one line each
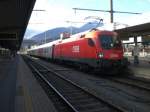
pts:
[128, 5]
[57, 12]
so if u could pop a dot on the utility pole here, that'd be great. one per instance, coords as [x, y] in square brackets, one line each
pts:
[111, 12]
[45, 37]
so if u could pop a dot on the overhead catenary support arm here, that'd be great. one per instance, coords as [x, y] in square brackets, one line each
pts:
[111, 11]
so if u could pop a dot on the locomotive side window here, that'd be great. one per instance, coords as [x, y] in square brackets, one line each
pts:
[90, 42]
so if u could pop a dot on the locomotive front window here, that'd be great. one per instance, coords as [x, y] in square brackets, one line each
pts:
[109, 41]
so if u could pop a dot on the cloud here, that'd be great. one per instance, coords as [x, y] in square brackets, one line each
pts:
[52, 16]
[57, 13]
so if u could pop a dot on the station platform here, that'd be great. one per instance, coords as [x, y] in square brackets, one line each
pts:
[8, 71]
[142, 69]
[20, 91]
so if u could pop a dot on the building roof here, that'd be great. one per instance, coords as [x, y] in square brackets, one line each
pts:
[14, 18]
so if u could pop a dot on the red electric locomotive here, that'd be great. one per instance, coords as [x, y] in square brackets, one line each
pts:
[98, 49]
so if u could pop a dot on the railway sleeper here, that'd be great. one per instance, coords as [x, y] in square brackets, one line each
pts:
[93, 108]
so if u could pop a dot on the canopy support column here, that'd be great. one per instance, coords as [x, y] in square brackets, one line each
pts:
[136, 52]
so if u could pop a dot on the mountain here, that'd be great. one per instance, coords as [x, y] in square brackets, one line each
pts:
[30, 33]
[54, 34]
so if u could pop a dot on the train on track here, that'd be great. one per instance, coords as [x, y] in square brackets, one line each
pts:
[97, 49]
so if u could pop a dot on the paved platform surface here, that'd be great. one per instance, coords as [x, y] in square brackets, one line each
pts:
[8, 68]
[142, 69]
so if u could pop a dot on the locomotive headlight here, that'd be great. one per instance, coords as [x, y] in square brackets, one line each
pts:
[101, 55]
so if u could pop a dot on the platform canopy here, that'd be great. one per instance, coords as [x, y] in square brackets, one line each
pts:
[14, 17]
[134, 31]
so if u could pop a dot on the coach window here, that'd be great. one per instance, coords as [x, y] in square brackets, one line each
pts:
[46, 50]
[90, 42]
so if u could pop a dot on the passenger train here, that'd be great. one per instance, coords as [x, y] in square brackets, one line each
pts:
[98, 49]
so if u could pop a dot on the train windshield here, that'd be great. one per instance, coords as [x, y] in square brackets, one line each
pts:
[109, 41]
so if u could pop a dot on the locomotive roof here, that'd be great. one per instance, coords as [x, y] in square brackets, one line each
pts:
[45, 45]
[86, 33]
[72, 38]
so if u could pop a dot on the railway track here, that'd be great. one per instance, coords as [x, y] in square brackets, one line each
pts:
[73, 96]
[132, 81]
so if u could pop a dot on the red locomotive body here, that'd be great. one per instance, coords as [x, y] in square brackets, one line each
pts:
[98, 49]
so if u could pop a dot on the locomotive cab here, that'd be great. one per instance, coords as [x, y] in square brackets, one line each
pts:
[109, 50]
[110, 46]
